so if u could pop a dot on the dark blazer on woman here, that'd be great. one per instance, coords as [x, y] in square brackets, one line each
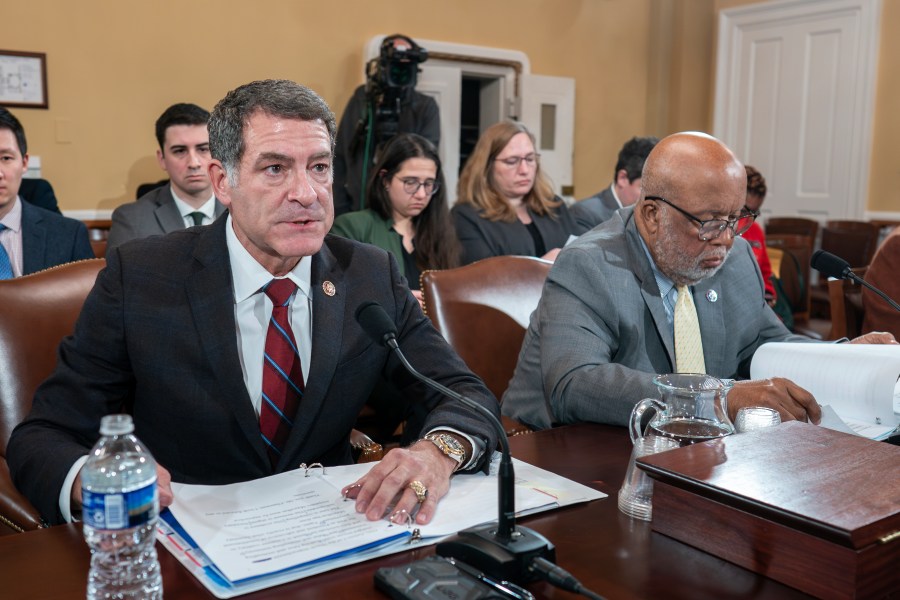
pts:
[481, 238]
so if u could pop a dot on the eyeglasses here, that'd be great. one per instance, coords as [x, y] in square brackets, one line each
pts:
[711, 229]
[512, 162]
[411, 185]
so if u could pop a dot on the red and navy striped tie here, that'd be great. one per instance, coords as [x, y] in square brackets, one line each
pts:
[282, 382]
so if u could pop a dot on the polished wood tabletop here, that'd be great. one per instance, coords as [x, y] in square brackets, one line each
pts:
[612, 554]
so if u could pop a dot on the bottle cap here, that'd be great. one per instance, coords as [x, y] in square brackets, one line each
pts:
[116, 425]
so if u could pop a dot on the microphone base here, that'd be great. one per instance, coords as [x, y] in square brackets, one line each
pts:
[506, 560]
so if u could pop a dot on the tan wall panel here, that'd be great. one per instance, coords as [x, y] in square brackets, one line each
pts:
[114, 66]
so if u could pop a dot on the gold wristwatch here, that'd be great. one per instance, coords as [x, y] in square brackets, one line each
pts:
[450, 446]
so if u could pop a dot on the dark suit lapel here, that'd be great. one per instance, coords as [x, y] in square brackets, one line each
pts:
[34, 240]
[327, 331]
[650, 291]
[166, 211]
[212, 306]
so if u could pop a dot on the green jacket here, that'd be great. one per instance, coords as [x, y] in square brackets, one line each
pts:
[366, 226]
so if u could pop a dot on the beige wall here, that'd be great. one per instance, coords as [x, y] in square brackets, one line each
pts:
[114, 66]
[641, 67]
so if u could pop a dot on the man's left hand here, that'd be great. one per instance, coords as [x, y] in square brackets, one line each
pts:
[875, 337]
[389, 480]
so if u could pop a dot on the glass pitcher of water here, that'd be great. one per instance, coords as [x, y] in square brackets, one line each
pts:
[692, 408]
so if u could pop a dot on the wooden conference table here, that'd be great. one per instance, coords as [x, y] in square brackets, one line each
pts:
[610, 553]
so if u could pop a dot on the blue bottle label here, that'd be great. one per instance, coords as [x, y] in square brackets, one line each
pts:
[119, 511]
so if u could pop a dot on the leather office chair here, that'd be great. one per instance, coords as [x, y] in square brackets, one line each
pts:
[98, 233]
[482, 310]
[855, 242]
[809, 228]
[39, 310]
[847, 309]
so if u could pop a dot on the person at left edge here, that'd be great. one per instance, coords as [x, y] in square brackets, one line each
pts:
[33, 239]
[175, 328]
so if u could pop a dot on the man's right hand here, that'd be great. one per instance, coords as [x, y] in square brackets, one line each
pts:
[790, 400]
[163, 488]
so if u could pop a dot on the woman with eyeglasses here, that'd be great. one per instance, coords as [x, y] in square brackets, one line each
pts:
[407, 212]
[506, 204]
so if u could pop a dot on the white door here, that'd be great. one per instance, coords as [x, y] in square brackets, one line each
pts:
[444, 84]
[794, 98]
[548, 110]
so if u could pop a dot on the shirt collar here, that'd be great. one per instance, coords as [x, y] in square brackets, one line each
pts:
[13, 219]
[208, 208]
[663, 283]
[249, 276]
[612, 188]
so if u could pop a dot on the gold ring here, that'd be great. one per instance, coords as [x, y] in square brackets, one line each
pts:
[419, 488]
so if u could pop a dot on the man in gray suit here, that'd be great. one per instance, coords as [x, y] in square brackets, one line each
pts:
[188, 199]
[605, 323]
[624, 190]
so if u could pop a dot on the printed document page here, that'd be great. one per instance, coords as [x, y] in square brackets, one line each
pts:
[858, 381]
[266, 526]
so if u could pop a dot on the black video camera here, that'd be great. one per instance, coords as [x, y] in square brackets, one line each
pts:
[390, 80]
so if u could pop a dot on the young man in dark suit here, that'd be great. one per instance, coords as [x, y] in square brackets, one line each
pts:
[176, 329]
[31, 239]
[624, 190]
[187, 199]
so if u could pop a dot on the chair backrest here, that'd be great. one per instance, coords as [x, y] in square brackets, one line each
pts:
[38, 311]
[854, 241]
[847, 311]
[482, 310]
[794, 270]
[98, 233]
[793, 226]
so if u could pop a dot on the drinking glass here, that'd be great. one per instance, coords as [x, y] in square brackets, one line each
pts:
[755, 417]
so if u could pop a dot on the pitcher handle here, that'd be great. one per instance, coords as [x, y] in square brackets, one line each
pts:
[637, 415]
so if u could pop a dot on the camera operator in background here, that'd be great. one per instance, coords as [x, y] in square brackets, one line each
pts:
[386, 105]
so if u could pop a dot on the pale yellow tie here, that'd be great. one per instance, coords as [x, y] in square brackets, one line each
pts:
[688, 345]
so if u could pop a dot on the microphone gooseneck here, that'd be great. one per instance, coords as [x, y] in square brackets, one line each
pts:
[500, 549]
[830, 265]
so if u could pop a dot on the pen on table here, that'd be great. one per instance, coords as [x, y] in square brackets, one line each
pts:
[506, 588]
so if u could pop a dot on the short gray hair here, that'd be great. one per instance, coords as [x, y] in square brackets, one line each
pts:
[276, 97]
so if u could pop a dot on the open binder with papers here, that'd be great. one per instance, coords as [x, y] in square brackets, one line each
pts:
[249, 536]
[856, 382]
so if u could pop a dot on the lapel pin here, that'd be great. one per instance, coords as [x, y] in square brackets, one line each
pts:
[328, 288]
[711, 295]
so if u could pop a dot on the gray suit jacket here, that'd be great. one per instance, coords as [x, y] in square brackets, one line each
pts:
[590, 212]
[600, 334]
[50, 239]
[154, 213]
[157, 338]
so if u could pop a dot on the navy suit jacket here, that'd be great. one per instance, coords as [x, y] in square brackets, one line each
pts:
[49, 239]
[157, 338]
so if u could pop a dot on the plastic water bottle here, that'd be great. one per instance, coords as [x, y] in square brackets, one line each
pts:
[121, 505]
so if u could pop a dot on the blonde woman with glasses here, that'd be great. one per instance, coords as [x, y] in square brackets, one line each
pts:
[506, 204]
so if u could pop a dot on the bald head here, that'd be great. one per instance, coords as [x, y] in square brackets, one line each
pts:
[694, 168]
[698, 174]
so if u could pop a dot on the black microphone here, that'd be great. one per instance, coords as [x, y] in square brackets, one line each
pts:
[830, 265]
[498, 549]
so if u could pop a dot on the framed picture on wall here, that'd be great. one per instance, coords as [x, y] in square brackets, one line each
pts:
[23, 79]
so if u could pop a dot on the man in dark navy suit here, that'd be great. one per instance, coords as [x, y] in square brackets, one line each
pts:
[31, 238]
[175, 332]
